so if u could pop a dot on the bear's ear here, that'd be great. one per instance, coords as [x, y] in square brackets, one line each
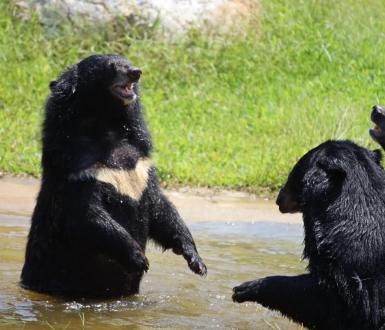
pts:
[66, 86]
[376, 155]
[333, 167]
[323, 180]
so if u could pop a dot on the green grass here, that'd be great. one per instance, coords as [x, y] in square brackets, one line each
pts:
[224, 111]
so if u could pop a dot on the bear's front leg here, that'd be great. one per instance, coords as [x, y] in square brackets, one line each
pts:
[298, 297]
[168, 229]
[93, 229]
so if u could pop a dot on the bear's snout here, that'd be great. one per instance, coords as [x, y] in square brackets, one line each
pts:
[134, 74]
[378, 116]
[286, 203]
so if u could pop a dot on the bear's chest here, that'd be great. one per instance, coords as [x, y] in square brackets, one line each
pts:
[123, 168]
[131, 182]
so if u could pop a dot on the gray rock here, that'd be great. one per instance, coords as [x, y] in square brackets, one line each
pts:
[173, 15]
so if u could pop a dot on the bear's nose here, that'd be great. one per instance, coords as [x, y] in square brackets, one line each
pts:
[377, 114]
[378, 108]
[134, 74]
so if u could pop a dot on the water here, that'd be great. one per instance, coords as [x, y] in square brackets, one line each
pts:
[171, 296]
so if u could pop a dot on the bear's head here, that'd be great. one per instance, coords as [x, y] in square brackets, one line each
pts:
[98, 77]
[378, 118]
[322, 173]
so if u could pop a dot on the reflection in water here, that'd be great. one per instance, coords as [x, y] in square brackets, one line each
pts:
[171, 296]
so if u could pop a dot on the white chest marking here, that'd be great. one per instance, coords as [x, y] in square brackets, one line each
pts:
[127, 182]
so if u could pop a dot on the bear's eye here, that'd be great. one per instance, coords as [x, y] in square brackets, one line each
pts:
[112, 67]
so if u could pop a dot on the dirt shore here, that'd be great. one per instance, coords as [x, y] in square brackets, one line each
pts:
[17, 199]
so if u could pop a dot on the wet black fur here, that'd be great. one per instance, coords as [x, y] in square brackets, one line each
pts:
[340, 189]
[86, 239]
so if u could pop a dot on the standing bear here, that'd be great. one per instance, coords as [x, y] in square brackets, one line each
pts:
[100, 199]
[340, 189]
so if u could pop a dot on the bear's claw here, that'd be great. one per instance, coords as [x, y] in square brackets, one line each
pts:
[197, 265]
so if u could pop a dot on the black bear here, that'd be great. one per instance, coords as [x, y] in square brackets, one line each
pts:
[99, 200]
[339, 188]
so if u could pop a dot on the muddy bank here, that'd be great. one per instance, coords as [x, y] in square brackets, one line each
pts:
[17, 199]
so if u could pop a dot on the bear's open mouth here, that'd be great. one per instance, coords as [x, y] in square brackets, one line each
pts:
[377, 129]
[125, 91]
[376, 132]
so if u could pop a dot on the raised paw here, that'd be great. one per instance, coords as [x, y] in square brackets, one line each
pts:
[247, 291]
[197, 265]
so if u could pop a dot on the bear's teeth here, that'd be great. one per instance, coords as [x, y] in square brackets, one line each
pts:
[128, 87]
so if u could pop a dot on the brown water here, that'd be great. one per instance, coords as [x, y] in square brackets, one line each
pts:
[171, 296]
